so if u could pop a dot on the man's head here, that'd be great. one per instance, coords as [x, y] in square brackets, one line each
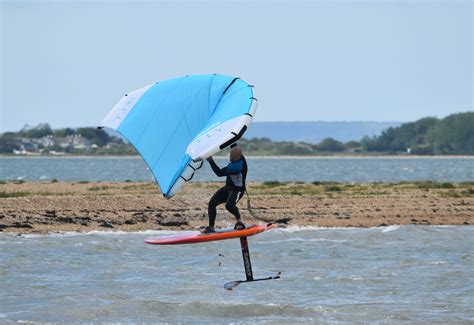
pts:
[235, 154]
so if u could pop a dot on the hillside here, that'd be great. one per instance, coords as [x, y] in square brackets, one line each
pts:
[315, 132]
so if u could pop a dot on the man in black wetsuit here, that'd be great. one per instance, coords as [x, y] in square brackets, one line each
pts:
[236, 173]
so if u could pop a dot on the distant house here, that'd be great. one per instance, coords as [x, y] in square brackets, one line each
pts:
[65, 142]
[19, 152]
[79, 142]
[111, 145]
[28, 145]
[57, 153]
[76, 141]
[47, 141]
[25, 146]
[355, 150]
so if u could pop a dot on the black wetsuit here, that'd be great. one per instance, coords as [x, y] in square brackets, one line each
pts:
[235, 184]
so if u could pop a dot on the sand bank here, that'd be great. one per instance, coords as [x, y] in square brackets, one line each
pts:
[82, 206]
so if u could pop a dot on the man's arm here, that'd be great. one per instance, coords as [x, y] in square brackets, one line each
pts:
[218, 171]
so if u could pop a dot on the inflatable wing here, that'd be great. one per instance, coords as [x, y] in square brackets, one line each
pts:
[175, 124]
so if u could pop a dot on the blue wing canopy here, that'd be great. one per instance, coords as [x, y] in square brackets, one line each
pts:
[174, 124]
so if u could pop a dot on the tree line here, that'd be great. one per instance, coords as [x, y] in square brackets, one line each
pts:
[453, 134]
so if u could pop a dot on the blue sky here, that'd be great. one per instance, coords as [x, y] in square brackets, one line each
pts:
[69, 62]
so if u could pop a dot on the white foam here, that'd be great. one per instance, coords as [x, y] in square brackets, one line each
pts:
[437, 263]
[303, 240]
[445, 226]
[141, 232]
[289, 229]
[390, 228]
[102, 233]
[292, 229]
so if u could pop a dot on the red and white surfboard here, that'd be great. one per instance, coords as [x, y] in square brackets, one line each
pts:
[193, 237]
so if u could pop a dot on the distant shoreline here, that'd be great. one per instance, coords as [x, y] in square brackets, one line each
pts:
[259, 157]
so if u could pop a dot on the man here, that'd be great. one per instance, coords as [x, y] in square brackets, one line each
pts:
[236, 173]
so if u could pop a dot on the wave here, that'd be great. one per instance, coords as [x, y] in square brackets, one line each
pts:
[237, 310]
[303, 240]
[97, 232]
[292, 229]
[391, 228]
[289, 229]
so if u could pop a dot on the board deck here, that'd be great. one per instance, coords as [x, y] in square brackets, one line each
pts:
[193, 237]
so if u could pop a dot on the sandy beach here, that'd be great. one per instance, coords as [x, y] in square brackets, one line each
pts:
[135, 206]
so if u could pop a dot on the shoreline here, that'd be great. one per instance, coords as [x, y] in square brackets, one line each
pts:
[166, 232]
[48, 207]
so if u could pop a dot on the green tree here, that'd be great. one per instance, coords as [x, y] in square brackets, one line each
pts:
[37, 132]
[61, 133]
[352, 145]
[455, 134]
[451, 135]
[99, 137]
[330, 145]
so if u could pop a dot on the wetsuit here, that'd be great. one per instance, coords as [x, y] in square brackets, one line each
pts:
[233, 190]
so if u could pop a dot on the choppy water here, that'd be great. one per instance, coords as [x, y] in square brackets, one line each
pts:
[340, 169]
[388, 275]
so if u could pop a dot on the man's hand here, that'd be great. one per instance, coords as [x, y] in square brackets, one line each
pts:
[209, 158]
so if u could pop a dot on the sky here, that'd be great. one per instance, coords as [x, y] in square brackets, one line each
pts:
[68, 62]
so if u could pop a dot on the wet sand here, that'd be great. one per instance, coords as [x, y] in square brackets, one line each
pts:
[137, 206]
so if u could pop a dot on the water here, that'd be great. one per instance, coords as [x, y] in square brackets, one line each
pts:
[386, 169]
[396, 274]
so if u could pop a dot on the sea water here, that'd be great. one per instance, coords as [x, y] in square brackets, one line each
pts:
[396, 274]
[304, 169]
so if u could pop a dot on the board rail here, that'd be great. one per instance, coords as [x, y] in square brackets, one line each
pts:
[193, 237]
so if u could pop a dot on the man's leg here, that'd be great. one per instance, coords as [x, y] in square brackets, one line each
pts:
[232, 208]
[218, 198]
